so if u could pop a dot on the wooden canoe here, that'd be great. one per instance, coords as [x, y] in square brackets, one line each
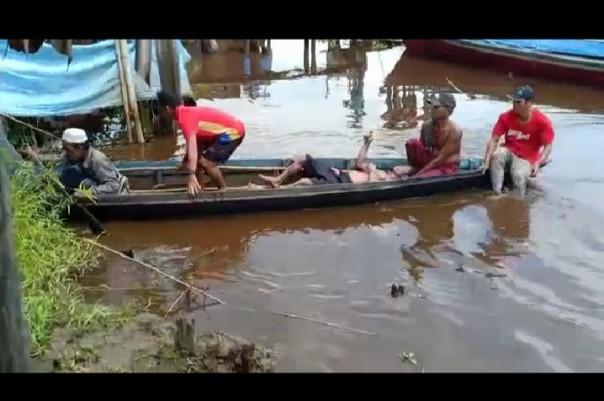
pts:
[580, 67]
[170, 200]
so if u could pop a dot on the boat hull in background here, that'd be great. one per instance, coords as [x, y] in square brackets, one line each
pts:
[585, 67]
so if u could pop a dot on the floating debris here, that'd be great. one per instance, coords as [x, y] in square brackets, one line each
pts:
[396, 291]
[410, 357]
[461, 269]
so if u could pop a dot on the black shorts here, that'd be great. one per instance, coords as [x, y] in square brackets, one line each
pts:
[322, 173]
[221, 152]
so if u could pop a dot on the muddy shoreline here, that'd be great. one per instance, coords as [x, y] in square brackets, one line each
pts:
[151, 344]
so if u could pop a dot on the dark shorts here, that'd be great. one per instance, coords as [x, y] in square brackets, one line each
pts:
[219, 152]
[321, 173]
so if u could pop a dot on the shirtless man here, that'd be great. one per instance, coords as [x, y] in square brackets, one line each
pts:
[437, 151]
[316, 172]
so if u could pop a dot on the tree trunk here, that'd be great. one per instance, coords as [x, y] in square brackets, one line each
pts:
[14, 332]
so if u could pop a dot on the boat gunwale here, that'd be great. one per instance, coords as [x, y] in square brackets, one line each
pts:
[171, 165]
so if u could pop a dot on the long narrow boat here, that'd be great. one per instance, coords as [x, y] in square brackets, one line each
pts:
[158, 190]
[572, 61]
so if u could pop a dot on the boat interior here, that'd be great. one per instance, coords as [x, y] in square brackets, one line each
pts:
[158, 180]
[158, 177]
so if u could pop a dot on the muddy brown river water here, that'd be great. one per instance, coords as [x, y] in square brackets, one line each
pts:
[491, 284]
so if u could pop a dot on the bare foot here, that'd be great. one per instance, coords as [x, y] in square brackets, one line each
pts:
[272, 181]
[251, 185]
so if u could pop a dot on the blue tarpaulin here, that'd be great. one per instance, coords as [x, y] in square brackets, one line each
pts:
[569, 47]
[41, 84]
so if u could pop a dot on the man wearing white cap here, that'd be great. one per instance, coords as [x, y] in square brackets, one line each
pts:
[85, 165]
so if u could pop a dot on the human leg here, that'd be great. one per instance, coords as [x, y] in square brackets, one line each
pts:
[417, 156]
[520, 171]
[446, 169]
[302, 182]
[294, 168]
[216, 154]
[499, 161]
[314, 170]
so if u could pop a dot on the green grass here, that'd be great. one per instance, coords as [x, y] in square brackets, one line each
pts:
[51, 256]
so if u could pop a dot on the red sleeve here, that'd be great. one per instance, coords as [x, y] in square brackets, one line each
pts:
[547, 131]
[501, 126]
[188, 124]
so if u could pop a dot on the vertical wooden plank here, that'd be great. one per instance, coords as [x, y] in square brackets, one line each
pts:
[123, 85]
[132, 104]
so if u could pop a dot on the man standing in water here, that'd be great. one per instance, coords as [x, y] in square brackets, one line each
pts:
[529, 137]
[437, 151]
[212, 136]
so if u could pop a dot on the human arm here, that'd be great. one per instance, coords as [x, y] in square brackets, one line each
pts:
[107, 176]
[500, 128]
[547, 139]
[361, 162]
[451, 148]
[547, 150]
[188, 124]
[189, 131]
[191, 157]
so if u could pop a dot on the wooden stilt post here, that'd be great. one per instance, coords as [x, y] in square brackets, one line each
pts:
[138, 128]
[313, 56]
[123, 85]
[143, 59]
[306, 55]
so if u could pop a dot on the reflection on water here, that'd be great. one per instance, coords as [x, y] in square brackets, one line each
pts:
[492, 284]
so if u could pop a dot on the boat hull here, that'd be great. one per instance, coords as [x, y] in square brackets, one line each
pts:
[539, 65]
[147, 205]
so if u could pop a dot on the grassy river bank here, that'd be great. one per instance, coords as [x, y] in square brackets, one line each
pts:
[69, 334]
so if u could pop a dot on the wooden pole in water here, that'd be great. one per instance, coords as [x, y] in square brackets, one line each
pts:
[138, 128]
[313, 56]
[120, 67]
[306, 55]
[143, 59]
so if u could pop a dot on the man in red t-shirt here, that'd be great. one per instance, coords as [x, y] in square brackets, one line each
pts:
[212, 136]
[529, 136]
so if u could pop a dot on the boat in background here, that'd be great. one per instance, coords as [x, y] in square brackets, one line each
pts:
[578, 61]
[159, 191]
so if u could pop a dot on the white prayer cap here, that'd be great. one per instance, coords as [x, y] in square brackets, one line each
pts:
[74, 135]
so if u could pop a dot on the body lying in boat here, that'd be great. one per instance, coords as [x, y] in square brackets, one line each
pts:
[317, 172]
[436, 152]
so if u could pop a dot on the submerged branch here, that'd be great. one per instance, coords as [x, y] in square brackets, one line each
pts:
[158, 271]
